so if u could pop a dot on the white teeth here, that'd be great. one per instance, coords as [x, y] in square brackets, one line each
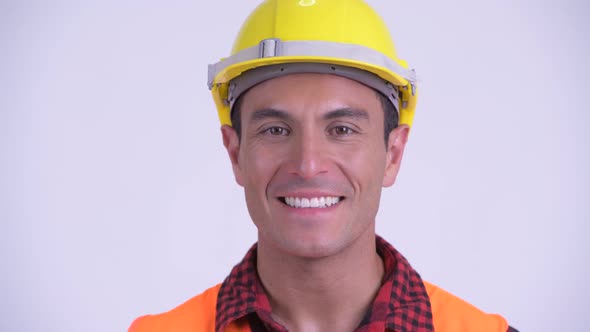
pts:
[304, 202]
[314, 202]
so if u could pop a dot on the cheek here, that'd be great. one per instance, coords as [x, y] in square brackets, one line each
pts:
[365, 166]
[258, 169]
[367, 173]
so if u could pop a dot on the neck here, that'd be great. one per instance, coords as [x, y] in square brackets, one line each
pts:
[321, 294]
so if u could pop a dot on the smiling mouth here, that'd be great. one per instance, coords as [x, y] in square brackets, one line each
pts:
[314, 202]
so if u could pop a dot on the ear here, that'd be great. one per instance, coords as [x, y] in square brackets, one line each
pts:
[395, 151]
[232, 145]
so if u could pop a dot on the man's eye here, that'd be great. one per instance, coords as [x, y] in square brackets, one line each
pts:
[341, 131]
[277, 131]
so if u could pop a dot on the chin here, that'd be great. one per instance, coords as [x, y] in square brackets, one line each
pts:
[310, 245]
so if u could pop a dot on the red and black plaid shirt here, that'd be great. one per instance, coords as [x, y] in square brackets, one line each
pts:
[401, 304]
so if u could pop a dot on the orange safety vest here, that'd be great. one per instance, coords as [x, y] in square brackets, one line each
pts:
[449, 314]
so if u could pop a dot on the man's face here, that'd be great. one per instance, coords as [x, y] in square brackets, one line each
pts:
[312, 161]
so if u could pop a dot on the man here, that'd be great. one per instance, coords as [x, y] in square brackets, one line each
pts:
[316, 109]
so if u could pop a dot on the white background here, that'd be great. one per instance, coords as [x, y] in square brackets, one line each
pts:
[117, 198]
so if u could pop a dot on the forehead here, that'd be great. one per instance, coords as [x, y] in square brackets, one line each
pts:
[311, 93]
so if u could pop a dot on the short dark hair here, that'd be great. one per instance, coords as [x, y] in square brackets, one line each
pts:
[391, 118]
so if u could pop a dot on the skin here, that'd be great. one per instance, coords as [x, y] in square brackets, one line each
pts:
[313, 135]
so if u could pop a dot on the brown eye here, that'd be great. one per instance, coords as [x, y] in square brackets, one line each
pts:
[341, 131]
[277, 131]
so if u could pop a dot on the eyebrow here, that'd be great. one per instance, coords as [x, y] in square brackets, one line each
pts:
[347, 112]
[269, 113]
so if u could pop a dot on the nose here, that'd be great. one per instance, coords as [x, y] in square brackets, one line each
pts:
[308, 156]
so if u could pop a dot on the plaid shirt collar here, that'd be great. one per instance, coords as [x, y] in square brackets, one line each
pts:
[401, 304]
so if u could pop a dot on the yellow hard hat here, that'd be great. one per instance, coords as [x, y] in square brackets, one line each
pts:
[341, 37]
